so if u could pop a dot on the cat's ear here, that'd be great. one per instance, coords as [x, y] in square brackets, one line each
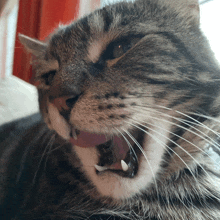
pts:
[193, 11]
[33, 46]
[187, 8]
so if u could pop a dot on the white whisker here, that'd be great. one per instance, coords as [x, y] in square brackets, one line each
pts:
[142, 151]
[177, 146]
[130, 146]
[181, 113]
[211, 141]
[205, 116]
[165, 145]
[204, 152]
[49, 144]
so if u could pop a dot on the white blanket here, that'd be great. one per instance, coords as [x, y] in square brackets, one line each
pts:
[17, 99]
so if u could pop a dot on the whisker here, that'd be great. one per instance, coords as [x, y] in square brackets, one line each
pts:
[198, 122]
[163, 145]
[180, 148]
[205, 116]
[43, 155]
[182, 120]
[168, 140]
[47, 154]
[142, 151]
[143, 95]
[56, 148]
[130, 146]
[210, 141]
[204, 152]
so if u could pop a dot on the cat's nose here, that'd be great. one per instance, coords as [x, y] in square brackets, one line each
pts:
[65, 102]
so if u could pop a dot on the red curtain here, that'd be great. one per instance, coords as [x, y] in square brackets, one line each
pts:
[37, 19]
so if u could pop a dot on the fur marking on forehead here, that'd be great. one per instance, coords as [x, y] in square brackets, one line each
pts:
[97, 46]
[103, 38]
[95, 50]
[97, 22]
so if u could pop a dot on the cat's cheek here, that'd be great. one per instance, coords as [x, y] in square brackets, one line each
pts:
[58, 123]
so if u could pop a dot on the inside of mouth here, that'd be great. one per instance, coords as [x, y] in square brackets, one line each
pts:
[118, 154]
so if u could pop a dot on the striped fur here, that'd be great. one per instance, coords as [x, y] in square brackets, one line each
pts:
[129, 70]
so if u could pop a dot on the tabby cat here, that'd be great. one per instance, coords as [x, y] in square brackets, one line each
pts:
[130, 100]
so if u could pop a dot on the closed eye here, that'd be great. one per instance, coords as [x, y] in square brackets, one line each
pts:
[119, 47]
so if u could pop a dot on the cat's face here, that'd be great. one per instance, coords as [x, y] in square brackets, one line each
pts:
[117, 83]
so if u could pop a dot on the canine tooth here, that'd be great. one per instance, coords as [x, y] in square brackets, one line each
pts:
[124, 165]
[74, 133]
[100, 168]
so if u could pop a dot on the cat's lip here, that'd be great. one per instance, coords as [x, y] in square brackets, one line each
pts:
[115, 153]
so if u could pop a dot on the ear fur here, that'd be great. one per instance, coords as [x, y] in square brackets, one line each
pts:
[187, 8]
[33, 46]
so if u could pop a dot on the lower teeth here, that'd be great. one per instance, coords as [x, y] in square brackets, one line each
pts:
[100, 168]
[124, 167]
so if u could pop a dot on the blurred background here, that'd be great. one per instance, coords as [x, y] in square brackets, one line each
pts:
[37, 19]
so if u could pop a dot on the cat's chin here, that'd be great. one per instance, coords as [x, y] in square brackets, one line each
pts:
[117, 154]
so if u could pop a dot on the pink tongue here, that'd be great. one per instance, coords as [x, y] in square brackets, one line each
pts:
[121, 148]
[85, 139]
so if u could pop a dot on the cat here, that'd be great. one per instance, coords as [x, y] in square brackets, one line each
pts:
[130, 104]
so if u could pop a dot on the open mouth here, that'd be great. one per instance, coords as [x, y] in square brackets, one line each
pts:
[117, 154]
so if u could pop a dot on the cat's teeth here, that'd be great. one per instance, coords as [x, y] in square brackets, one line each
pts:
[100, 168]
[74, 133]
[124, 165]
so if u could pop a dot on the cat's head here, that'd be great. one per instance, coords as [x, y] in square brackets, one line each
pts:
[120, 84]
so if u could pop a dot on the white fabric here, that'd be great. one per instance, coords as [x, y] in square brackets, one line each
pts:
[17, 99]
